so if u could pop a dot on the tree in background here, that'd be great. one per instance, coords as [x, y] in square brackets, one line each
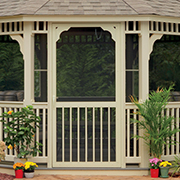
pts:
[165, 63]
[11, 66]
[86, 68]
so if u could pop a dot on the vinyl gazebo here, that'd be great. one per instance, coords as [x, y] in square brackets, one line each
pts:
[76, 62]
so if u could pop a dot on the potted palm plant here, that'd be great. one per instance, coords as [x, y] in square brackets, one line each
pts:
[20, 128]
[157, 126]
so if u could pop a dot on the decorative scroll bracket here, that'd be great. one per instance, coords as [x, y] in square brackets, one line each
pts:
[20, 40]
[152, 40]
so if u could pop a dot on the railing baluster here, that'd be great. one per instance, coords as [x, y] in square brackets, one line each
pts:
[63, 134]
[135, 130]
[1, 126]
[78, 136]
[172, 127]
[167, 147]
[70, 134]
[93, 134]
[44, 132]
[128, 133]
[86, 135]
[37, 130]
[109, 145]
[177, 134]
[101, 134]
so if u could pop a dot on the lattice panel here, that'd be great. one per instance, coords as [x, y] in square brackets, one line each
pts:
[132, 26]
[165, 27]
[40, 26]
[11, 28]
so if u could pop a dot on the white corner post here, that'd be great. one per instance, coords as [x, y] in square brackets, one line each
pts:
[144, 83]
[28, 63]
[50, 96]
[120, 94]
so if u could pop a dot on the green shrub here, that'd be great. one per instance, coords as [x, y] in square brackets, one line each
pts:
[20, 128]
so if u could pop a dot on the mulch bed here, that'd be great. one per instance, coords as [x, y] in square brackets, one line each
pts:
[175, 175]
[4, 176]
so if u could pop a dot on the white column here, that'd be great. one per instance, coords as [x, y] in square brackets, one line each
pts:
[28, 63]
[120, 94]
[50, 97]
[144, 83]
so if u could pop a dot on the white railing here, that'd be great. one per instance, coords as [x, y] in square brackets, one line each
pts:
[173, 109]
[86, 134]
[41, 133]
[85, 117]
[132, 144]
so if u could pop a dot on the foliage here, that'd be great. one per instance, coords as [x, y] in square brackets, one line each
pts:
[156, 126]
[2, 148]
[165, 164]
[11, 66]
[30, 166]
[20, 128]
[18, 166]
[154, 163]
[85, 67]
[165, 63]
[176, 164]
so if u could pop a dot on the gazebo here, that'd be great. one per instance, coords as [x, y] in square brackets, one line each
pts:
[76, 62]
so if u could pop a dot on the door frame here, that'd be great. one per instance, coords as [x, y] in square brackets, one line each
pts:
[117, 31]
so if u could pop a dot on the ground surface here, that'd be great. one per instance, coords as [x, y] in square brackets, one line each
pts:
[67, 177]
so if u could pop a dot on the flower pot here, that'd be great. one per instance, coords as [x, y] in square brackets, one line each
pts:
[29, 174]
[154, 173]
[164, 172]
[19, 173]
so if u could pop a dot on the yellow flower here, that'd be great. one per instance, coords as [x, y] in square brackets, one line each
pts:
[30, 165]
[33, 135]
[10, 147]
[165, 163]
[14, 145]
[10, 112]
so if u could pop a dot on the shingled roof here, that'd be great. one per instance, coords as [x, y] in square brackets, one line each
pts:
[90, 7]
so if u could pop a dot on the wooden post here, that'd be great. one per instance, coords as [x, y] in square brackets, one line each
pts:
[28, 63]
[144, 83]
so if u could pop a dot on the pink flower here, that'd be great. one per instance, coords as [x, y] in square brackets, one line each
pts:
[155, 160]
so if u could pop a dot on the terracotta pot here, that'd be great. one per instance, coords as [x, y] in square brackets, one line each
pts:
[154, 173]
[19, 173]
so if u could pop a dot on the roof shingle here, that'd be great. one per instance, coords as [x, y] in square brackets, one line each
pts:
[90, 7]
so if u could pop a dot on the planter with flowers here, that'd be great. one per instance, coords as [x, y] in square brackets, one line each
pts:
[164, 169]
[19, 168]
[20, 127]
[29, 168]
[154, 167]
